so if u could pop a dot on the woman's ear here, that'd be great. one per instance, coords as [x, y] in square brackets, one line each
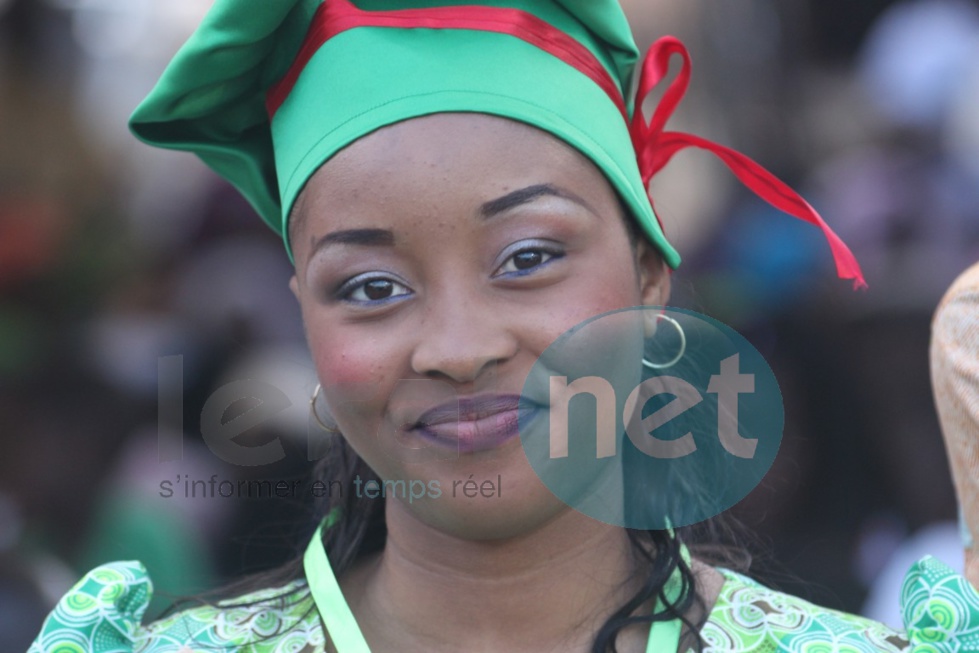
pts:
[294, 287]
[654, 275]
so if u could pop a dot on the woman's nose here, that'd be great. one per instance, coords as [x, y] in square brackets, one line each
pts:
[462, 339]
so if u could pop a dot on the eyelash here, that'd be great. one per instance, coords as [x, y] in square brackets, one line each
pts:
[550, 252]
[359, 283]
[346, 291]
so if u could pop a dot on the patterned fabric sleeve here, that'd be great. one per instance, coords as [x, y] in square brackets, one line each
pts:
[751, 618]
[101, 614]
[940, 609]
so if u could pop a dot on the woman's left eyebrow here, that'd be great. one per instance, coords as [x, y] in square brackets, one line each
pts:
[520, 196]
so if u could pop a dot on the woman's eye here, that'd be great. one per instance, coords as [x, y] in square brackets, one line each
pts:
[372, 290]
[526, 260]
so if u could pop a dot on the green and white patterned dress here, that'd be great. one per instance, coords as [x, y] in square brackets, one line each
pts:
[102, 614]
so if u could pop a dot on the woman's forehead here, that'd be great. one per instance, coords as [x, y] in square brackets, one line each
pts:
[449, 154]
[453, 139]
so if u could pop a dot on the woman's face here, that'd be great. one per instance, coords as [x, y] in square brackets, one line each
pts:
[436, 259]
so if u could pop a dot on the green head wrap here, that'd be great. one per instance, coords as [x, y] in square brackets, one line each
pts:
[266, 91]
[329, 73]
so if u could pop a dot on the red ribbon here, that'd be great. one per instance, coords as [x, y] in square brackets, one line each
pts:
[655, 147]
[335, 16]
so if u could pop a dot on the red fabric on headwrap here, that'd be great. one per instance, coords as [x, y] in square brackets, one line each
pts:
[655, 147]
[336, 16]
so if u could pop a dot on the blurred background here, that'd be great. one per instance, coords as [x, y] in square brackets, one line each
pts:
[113, 256]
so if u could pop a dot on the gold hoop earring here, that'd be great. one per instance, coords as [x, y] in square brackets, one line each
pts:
[312, 409]
[683, 346]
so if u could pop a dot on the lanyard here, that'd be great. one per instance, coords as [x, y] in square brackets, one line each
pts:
[664, 636]
[333, 608]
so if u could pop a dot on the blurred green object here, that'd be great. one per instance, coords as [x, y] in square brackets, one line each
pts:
[126, 528]
[22, 340]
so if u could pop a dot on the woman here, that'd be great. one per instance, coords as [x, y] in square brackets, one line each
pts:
[457, 187]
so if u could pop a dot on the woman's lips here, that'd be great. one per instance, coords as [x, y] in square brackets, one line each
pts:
[474, 423]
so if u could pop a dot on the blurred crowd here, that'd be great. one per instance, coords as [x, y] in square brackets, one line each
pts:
[124, 303]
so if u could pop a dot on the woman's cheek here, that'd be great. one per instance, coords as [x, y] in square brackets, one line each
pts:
[359, 379]
[342, 366]
[587, 301]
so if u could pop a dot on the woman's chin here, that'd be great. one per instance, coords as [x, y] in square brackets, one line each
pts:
[485, 505]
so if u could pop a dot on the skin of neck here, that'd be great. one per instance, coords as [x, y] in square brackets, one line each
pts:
[553, 588]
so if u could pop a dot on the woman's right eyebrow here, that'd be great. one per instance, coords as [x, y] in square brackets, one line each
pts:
[363, 237]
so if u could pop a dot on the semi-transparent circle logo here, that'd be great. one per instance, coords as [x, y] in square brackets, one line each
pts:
[651, 417]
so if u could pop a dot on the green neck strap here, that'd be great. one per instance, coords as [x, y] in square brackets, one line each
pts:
[333, 608]
[664, 636]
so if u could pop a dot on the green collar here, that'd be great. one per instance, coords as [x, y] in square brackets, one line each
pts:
[347, 637]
